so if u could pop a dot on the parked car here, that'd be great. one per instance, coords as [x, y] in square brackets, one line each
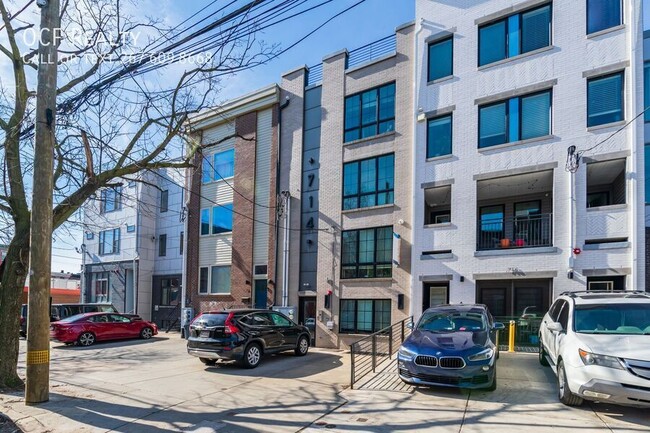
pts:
[244, 336]
[598, 344]
[61, 311]
[87, 328]
[451, 345]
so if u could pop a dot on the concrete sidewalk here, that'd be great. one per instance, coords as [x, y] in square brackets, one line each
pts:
[154, 386]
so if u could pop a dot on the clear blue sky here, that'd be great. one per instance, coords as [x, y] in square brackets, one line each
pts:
[371, 20]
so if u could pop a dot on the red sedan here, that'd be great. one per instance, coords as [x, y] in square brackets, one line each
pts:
[85, 329]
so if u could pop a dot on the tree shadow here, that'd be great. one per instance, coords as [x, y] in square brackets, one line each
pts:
[105, 344]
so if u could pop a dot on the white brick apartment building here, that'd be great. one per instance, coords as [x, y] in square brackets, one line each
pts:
[503, 89]
[133, 240]
[345, 153]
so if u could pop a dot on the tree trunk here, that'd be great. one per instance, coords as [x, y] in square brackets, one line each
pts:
[13, 273]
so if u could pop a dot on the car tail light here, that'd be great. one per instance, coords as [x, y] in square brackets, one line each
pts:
[194, 320]
[230, 327]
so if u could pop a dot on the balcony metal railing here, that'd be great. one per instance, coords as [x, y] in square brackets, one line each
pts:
[370, 351]
[515, 232]
[372, 51]
[314, 75]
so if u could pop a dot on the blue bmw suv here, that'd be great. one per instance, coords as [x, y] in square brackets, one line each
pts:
[451, 345]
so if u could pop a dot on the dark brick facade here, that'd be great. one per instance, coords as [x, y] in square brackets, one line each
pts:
[193, 220]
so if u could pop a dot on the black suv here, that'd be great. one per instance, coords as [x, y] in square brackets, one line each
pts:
[244, 335]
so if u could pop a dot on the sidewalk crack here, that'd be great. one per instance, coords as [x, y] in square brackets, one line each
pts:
[462, 422]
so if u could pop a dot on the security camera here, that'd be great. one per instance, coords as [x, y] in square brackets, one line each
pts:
[400, 222]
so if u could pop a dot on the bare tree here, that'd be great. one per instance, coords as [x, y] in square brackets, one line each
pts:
[120, 110]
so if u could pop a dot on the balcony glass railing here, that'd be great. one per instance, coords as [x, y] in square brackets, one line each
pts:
[515, 232]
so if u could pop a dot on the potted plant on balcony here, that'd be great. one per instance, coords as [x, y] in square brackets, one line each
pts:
[505, 243]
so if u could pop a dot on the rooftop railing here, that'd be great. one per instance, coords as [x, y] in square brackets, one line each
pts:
[372, 51]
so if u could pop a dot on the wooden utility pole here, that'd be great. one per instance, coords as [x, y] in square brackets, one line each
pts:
[37, 387]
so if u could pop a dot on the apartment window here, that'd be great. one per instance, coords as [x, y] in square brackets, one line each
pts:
[205, 222]
[606, 183]
[162, 245]
[439, 136]
[109, 242]
[130, 228]
[164, 200]
[441, 59]
[603, 14]
[219, 166]
[214, 280]
[364, 315]
[370, 113]
[180, 244]
[90, 236]
[111, 199]
[222, 219]
[437, 205]
[646, 160]
[646, 90]
[519, 118]
[517, 34]
[367, 253]
[605, 99]
[369, 182]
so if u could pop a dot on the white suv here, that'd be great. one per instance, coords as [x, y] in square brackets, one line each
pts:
[598, 344]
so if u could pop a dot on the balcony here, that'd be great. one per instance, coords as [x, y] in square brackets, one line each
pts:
[528, 231]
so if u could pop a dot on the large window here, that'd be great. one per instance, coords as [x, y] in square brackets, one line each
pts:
[369, 182]
[364, 315]
[520, 118]
[441, 59]
[646, 160]
[109, 242]
[370, 113]
[605, 99]
[219, 166]
[216, 221]
[515, 35]
[101, 292]
[646, 90]
[367, 253]
[439, 136]
[214, 280]
[111, 199]
[603, 14]
[164, 200]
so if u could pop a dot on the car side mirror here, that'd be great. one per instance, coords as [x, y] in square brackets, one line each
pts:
[409, 325]
[498, 326]
[555, 327]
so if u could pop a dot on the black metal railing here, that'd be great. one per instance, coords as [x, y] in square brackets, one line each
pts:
[172, 319]
[314, 75]
[515, 232]
[526, 330]
[371, 51]
[372, 350]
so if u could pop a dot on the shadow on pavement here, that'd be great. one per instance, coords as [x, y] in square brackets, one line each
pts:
[293, 366]
[111, 343]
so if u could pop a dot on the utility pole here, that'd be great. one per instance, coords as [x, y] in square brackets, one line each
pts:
[37, 387]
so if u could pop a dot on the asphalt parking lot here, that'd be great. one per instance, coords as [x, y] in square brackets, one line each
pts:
[154, 386]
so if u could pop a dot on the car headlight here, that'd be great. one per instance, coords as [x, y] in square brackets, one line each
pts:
[406, 354]
[589, 358]
[482, 355]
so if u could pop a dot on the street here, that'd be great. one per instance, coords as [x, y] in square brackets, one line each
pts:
[154, 386]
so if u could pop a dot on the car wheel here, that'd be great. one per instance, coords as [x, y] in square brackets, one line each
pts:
[564, 393]
[252, 355]
[303, 346]
[86, 339]
[208, 361]
[542, 354]
[146, 333]
[493, 385]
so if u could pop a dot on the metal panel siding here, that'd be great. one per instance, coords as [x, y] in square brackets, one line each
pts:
[262, 187]
[215, 250]
[217, 133]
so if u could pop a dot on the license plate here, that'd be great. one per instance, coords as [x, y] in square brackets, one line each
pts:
[204, 334]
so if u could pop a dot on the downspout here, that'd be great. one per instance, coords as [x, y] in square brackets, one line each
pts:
[136, 256]
[186, 216]
[635, 163]
[277, 220]
[285, 253]
[414, 158]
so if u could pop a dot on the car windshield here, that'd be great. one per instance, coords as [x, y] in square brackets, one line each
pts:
[613, 319]
[451, 322]
[73, 318]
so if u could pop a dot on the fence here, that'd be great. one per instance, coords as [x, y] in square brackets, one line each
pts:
[515, 232]
[372, 350]
[372, 51]
[526, 330]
